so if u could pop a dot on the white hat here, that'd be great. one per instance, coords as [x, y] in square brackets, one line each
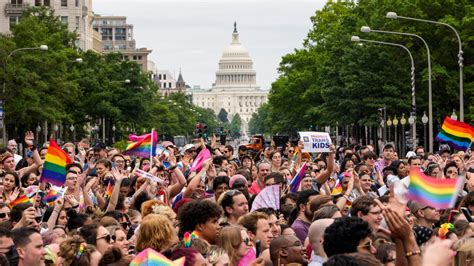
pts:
[186, 147]
[410, 154]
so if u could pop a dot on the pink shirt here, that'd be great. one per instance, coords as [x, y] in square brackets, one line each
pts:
[248, 258]
[254, 188]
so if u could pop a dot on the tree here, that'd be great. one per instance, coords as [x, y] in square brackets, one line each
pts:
[223, 116]
[257, 124]
[332, 80]
[235, 125]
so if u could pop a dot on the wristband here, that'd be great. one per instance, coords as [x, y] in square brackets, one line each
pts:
[32, 147]
[412, 253]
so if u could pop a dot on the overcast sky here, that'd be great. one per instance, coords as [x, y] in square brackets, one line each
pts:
[191, 34]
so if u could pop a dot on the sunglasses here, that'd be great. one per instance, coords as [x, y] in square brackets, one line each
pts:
[4, 215]
[107, 238]
[247, 241]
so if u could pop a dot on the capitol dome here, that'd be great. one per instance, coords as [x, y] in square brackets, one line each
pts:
[235, 66]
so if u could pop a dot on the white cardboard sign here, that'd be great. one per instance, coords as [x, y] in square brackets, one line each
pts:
[315, 141]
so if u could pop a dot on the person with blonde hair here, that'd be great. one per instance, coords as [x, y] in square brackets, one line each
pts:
[75, 251]
[218, 256]
[156, 232]
[236, 242]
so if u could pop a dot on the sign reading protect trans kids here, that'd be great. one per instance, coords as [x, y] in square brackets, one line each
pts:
[315, 141]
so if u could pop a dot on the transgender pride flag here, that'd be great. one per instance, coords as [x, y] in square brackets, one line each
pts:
[295, 182]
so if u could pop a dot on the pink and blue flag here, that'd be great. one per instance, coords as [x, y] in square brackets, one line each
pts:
[142, 146]
[295, 182]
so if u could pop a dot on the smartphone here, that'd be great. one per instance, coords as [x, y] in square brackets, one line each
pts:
[467, 214]
[258, 248]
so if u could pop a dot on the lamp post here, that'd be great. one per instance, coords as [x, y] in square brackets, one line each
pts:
[55, 129]
[389, 124]
[430, 102]
[113, 133]
[424, 119]
[42, 47]
[453, 115]
[393, 15]
[73, 130]
[403, 122]
[38, 130]
[413, 101]
[395, 125]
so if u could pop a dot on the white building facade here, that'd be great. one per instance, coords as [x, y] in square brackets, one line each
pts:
[235, 89]
[77, 14]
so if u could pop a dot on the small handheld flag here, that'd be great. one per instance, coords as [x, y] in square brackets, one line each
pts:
[201, 157]
[108, 192]
[21, 199]
[142, 146]
[457, 134]
[152, 257]
[295, 182]
[54, 167]
[436, 193]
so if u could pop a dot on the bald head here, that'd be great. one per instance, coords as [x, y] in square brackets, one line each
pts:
[316, 233]
[293, 250]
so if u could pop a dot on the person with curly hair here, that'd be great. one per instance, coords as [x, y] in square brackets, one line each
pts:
[156, 232]
[74, 251]
[347, 235]
[201, 216]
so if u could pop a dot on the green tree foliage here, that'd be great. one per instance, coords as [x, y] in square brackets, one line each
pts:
[222, 116]
[333, 80]
[257, 124]
[235, 125]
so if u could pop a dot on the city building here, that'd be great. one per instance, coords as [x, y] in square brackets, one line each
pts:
[235, 89]
[168, 84]
[77, 14]
[117, 36]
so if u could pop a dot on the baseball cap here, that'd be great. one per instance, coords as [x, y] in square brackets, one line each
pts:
[100, 146]
[187, 147]
[166, 144]
[235, 178]
[416, 206]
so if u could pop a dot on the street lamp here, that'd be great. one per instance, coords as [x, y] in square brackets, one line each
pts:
[113, 133]
[73, 130]
[453, 115]
[393, 15]
[413, 101]
[38, 130]
[389, 124]
[3, 101]
[403, 122]
[425, 120]
[395, 125]
[430, 103]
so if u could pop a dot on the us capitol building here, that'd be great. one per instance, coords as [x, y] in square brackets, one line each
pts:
[235, 89]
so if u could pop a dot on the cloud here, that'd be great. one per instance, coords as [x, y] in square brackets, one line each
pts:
[191, 34]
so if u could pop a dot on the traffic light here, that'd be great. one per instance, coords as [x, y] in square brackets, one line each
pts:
[199, 129]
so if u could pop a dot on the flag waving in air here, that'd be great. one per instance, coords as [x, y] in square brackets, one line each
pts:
[142, 146]
[54, 168]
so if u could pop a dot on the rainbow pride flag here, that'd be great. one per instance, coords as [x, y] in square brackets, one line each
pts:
[54, 167]
[296, 180]
[436, 193]
[142, 146]
[337, 188]
[21, 199]
[458, 134]
[108, 192]
[52, 195]
[152, 257]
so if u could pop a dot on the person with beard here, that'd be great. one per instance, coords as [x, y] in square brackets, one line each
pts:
[287, 249]
[305, 216]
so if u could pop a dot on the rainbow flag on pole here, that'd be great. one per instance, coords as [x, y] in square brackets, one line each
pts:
[142, 146]
[21, 199]
[296, 180]
[54, 167]
[458, 134]
[436, 193]
[110, 189]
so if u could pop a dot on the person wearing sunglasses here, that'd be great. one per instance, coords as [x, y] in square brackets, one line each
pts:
[4, 212]
[96, 235]
[287, 249]
[236, 242]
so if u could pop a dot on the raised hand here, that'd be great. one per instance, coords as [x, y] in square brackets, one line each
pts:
[14, 195]
[116, 173]
[29, 138]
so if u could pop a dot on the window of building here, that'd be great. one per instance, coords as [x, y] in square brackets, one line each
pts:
[78, 21]
[17, 2]
[164, 76]
[38, 2]
[134, 57]
[164, 85]
[47, 2]
[120, 34]
[139, 57]
[107, 47]
[64, 3]
[126, 57]
[64, 19]
[106, 34]
[122, 47]
[78, 3]
[159, 76]
[14, 20]
[169, 85]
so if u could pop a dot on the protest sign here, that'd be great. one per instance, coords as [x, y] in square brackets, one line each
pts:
[315, 141]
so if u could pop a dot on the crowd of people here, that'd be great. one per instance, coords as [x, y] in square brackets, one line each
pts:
[113, 206]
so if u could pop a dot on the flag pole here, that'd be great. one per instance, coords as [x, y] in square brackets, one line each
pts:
[151, 148]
